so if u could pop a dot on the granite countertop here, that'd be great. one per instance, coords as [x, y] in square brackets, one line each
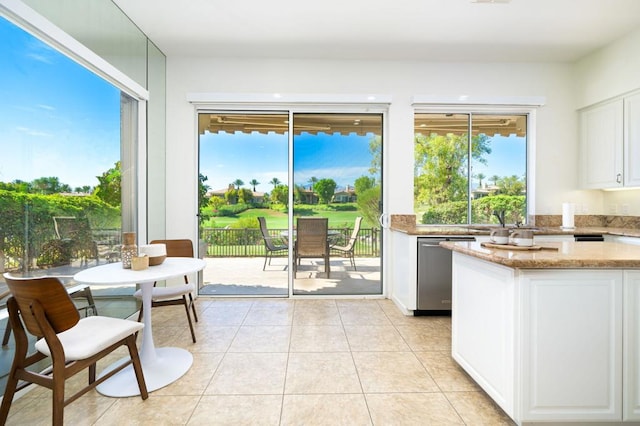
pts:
[566, 255]
[407, 225]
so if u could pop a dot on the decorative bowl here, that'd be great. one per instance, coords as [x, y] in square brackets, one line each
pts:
[157, 253]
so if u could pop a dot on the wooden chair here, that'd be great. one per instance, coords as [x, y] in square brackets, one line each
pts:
[76, 292]
[312, 241]
[270, 246]
[175, 295]
[73, 344]
[348, 249]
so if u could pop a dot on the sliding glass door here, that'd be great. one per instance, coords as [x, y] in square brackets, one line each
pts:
[337, 178]
[252, 210]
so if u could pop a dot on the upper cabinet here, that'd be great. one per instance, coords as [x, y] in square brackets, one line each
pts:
[632, 140]
[610, 141]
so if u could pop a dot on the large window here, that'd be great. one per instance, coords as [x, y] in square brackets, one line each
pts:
[68, 169]
[470, 168]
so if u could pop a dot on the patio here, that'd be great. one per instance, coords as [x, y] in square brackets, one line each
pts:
[244, 276]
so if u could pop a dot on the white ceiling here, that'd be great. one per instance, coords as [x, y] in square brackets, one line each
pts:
[439, 30]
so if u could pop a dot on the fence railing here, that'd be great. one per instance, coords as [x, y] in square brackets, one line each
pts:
[248, 242]
[221, 242]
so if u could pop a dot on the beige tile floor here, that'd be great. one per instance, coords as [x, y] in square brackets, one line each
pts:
[293, 362]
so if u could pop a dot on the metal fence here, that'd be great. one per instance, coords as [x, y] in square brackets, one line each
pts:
[248, 242]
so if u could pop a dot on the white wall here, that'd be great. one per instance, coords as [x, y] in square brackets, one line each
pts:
[607, 73]
[556, 153]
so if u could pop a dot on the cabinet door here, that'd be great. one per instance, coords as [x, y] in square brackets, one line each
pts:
[602, 145]
[572, 345]
[632, 140]
[631, 356]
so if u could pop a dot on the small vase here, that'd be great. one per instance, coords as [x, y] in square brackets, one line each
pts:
[129, 249]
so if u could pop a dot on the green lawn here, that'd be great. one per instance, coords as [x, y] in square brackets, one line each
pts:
[276, 219]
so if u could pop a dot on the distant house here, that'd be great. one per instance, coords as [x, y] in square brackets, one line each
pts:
[308, 197]
[257, 197]
[345, 195]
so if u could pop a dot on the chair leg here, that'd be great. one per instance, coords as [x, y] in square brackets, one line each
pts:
[186, 308]
[58, 396]
[7, 334]
[7, 399]
[193, 307]
[137, 366]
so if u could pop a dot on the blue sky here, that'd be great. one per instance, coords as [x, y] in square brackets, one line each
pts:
[59, 119]
[227, 157]
[56, 117]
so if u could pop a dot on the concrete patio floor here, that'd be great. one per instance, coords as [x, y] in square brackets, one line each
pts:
[244, 276]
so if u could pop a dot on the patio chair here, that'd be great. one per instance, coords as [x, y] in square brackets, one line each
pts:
[312, 241]
[175, 295]
[77, 233]
[73, 344]
[270, 245]
[348, 249]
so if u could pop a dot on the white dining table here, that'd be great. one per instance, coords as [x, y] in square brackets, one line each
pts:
[161, 366]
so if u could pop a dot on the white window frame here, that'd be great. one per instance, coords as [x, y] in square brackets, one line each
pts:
[501, 105]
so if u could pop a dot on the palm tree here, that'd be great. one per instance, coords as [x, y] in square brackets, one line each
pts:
[312, 181]
[253, 183]
[495, 179]
[238, 183]
[480, 176]
[275, 182]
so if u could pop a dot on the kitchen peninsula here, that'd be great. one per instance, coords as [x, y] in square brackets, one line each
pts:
[551, 335]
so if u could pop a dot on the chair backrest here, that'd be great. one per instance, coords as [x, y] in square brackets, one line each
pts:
[268, 242]
[50, 293]
[311, 236]
[356, 228]
[263, 228]
[177, 248]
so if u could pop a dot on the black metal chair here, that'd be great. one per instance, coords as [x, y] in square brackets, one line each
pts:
[271, 245]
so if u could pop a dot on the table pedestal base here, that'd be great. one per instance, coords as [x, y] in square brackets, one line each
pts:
[170, 364]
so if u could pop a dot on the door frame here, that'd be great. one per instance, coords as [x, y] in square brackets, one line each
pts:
[296, 104]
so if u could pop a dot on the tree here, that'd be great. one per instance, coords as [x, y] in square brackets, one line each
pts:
[480, 176]
[511, 185]
[280, 194]
[244, 195]
[364, 183]
[312, 180]
[375, 145]
[253, 184]
[369, 204]
[85, 189]
[238, 183]
[49, 185]
[495, 179]
[325, 188]
[109, 187]
[203, 201]
[275, 182]
[441, 166]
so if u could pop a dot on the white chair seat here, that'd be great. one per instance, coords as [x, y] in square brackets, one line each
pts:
[91, 335]
[163, 293]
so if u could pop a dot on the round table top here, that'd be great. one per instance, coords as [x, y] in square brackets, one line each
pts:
[114, 273]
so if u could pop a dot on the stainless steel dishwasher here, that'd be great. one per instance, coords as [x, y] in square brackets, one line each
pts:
[434, 273]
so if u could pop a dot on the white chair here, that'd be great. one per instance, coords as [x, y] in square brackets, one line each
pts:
[175, 295]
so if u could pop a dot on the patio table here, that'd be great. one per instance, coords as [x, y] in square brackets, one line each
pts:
[161, 366]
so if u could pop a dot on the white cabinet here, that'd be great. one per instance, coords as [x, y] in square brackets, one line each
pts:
[610, 144]
[550, 345]
[631, 355]
[632, 140]
[571, 345]
[403, 287]
[601, 139]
